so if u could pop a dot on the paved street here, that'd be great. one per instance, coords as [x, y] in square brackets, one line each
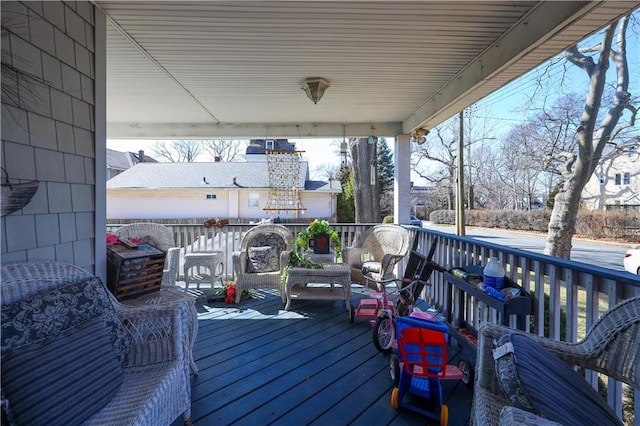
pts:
[608, 255]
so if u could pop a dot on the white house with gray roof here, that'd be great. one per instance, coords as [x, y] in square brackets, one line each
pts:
[234, 190]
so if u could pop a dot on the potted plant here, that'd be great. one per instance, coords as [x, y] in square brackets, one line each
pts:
[322, 236]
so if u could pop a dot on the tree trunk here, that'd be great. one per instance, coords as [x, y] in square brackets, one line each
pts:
[367, 203]
[591, 142]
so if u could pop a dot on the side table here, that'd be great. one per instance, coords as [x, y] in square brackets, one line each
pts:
[335, 273]
[212, 262]
[173, 295]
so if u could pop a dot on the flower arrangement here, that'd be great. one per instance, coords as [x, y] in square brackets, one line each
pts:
[113, 239]
[229, 291]
[317, 227]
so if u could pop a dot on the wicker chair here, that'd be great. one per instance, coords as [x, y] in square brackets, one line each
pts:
[280, 241]
[160, 237]
[378, 249]
[611, 347]
[146, 341]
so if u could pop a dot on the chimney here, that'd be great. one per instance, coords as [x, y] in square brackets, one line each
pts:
[217, 159]
[141, 156]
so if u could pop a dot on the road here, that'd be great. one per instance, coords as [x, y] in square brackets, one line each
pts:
[608, 255]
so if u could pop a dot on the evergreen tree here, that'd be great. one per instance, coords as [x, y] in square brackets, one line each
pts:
[385, 171]
[345, 209]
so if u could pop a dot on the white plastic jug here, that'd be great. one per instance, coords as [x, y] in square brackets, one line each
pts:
[494, 274]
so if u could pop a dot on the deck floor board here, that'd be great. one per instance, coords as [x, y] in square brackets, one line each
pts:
[261, 365]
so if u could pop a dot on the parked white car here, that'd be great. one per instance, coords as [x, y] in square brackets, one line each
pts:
[632, 261]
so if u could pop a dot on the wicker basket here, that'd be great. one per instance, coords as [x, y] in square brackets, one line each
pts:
[16, 196]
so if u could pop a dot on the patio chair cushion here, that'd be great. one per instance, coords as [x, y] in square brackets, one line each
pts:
[67, 377]
[535, 380]
[47, 314]
[372, 266]
[262, 259]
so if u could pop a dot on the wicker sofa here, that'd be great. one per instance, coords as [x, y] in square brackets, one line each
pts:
[71, 354]
[611, 347]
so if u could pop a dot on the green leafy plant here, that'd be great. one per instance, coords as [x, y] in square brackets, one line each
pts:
[299, 260]
[317, 227]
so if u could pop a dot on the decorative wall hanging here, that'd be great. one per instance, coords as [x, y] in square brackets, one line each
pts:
[284, 173]
[17, 195]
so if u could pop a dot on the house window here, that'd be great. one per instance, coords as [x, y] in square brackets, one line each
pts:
[618, 179]
[632, 151]
[602, 178]
[253, 200]
[626, 178]
[269, 144]
[211, 196]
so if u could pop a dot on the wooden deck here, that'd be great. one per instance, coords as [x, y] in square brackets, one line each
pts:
[262, 365]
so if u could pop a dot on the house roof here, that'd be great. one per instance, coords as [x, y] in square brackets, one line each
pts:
[209, 175]
[125, 160]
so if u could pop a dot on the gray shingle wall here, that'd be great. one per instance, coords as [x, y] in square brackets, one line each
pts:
[48, 129]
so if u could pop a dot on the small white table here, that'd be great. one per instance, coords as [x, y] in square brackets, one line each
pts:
[334, 277]
[203, 267]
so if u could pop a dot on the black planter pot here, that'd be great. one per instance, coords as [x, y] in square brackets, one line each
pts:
[321, 244]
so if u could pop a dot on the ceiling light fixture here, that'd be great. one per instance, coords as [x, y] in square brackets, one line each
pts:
[314, 87]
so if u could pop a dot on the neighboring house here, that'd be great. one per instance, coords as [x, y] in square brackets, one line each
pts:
[234, 190]
[616, 181]
[118, 162]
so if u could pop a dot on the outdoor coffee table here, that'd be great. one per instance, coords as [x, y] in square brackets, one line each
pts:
[333, 282]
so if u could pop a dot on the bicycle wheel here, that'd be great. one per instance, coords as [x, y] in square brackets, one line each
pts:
[383, 333]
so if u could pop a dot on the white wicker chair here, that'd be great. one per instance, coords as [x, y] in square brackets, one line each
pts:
[610, 347]
[156, 387]
[162, 238]
[379, 249]
[276, 236]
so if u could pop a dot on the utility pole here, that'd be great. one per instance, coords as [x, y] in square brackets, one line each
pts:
[460, 178]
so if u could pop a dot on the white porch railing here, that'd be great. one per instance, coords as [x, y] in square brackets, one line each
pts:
[577, 293]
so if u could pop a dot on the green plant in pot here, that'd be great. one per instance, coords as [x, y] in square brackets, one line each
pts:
[321, 232]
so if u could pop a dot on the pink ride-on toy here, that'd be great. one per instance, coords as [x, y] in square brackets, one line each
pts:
[419, 269]
[420, 367]
[378, 302]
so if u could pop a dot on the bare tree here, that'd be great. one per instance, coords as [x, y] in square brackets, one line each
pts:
[439, 150]
[225, 150]
[183, 151]
[591, 139]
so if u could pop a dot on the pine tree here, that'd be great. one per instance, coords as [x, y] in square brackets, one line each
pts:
[385, 171]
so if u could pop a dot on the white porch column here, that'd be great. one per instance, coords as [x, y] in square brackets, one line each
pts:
[402, 179]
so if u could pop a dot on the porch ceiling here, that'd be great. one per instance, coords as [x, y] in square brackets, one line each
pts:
[233, 69]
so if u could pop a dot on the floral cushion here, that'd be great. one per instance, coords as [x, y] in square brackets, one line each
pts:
[64, 379]
[50, 312]
[262, 259]
[270, 239]
[535, 380]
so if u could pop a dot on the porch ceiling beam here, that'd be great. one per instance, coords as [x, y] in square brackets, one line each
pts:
[544, 22]
[249, 130]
